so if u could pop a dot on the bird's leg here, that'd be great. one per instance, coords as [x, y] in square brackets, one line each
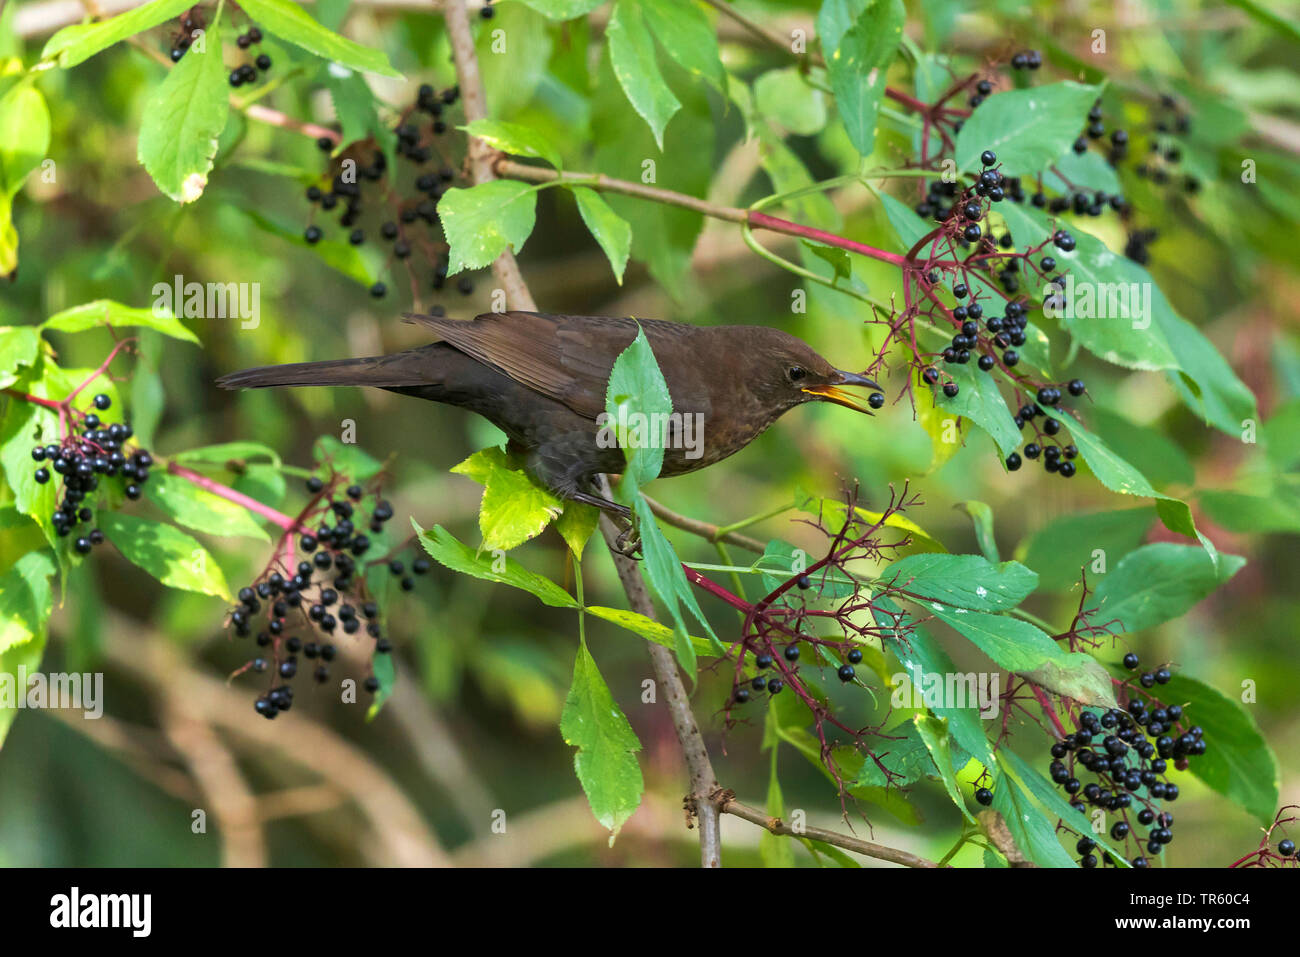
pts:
[604, 504]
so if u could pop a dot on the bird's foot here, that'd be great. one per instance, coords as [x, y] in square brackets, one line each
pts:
[628, 543]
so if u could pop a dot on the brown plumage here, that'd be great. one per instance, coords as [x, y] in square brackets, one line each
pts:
[542, 379]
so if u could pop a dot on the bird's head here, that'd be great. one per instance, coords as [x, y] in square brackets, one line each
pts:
[785, 372]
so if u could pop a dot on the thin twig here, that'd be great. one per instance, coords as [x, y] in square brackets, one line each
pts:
[506, 270]
[706, 530]
[704, 783]
[729, 805]
[481, 154]
[733, 214]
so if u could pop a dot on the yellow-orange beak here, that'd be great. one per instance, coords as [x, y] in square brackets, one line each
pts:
[832, 393]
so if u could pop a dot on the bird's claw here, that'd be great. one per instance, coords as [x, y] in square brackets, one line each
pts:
[628, 543]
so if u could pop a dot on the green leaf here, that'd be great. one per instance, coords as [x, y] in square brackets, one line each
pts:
[79, 42]
[351, 460]
[663, 236]
[513, 54]
[788, 99]
[1029, 651]
[1111, 470]
[182, 120]
[355, 106]
[647, 628]
[1238, 763]
[515, 506]
[1203, 378]
[664, 570]
[606, 760]
[1283, 26]
[288, 21]
[982, 517]
[909, 227]
[904, 754]
[1277, 511]
[224, 452]
[25, 599]
[1032, 832]
[24, 135]
[20, 346]
[1045, 794]
[1094, 270]
[838, 258]
[1206, 382]
[1280, 434]
[24, 141]
[632, 53]
[966, 581]
[635, 399]
[1119, 476]
[1029, 129]
[444, 548]
[25, 604]
[611, 231]
[8, 237]
[563, 9]
[775, 849]
[200, 510]
[979, 400]
[859, 41]
[166, 553]
[105, 312]
[1081, 171]
[686, 34]
[1065, 545]
[934, 733]
[576, 524]
[1160, 582]
[921, 656]
[25, 425]
[515, 138]
[382, 667]
[483, 221]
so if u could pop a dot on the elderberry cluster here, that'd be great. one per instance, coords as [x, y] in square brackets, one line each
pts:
[247, 72]
[300, 614]
[416, 143]
[1027, 60]
[1096, 130]
[763, 662]
[1002, 334]
[1128, 753]
[191, 21]
[1057, 456]
[91, 449]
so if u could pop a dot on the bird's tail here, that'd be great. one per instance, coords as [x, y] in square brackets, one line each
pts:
[384, 372]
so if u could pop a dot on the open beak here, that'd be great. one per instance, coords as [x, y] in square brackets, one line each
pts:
[831, 393]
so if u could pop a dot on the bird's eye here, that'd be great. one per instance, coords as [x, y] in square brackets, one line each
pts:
[796, 373]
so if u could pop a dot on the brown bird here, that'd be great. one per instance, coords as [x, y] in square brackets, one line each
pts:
[542, 380]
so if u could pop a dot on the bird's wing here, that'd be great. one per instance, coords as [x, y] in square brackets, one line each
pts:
[567, 358]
